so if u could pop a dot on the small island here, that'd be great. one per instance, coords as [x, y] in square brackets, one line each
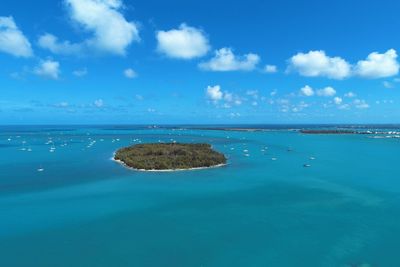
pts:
[169, 156]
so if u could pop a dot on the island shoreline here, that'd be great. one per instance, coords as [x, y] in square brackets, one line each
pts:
[165, 170]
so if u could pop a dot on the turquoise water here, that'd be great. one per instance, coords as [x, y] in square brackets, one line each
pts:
[85, 210]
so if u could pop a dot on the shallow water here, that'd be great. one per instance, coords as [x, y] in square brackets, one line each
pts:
[86, 210]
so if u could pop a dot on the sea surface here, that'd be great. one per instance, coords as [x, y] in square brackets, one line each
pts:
[64, 202]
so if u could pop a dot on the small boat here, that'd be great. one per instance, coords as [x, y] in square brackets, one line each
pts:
[312, 158]
[306, 165]
[40, 169]
[273, 158]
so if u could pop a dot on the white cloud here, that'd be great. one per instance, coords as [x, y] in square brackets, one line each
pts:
[270, 69]
[273, 92]
[327, 91]
[344, 106]
[299, 107]
[50, 42]
[228, 97]
[317, 63]
[184, 43]
[130, 73]
[307, 91]
[111, 32]
[214, 93]
[252, 93]
[62, 105]
[139, 97]
[378, 65]
[12, 40]
[225, 60]
[387, 84]
[234, 114]
[350, 94]
[48, 69]
[337, 100]
[360, 104]
[99, 103]
[80, 73]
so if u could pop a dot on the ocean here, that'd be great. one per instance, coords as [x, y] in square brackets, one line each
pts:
[285, 199]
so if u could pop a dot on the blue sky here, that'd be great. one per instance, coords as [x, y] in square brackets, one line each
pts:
[157, 62]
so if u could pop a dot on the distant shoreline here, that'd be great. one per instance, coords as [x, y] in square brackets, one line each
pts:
[333, 131]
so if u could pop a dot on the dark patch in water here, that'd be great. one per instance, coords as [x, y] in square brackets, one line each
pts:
[7, 145]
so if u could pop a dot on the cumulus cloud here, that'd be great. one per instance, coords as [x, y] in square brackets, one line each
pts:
[378, 65]
[327, 91]
[252, 93]
[12, 40]
[80, 73]
[111, 32]
[61, 105]
[299, 107]
[226, 60]
[49, 69]
[317, 63]
[337, 100]
[214, 93]
[307, 91]
[360, 104]
[52, 43]
[98, 103]
[350, 94]
[184, 43]
[344, 106]
[130, 73]
[387, 84]
[270, 69]
[234, 114]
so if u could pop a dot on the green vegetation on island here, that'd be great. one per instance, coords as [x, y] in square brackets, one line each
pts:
[169, 156]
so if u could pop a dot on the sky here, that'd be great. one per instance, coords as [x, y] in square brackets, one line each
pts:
[199, 62]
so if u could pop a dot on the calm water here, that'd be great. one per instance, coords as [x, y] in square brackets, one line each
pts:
[86, 210]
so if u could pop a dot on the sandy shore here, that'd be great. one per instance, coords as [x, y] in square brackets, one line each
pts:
[166, 170]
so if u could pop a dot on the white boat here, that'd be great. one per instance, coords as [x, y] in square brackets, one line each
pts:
[40, 169]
